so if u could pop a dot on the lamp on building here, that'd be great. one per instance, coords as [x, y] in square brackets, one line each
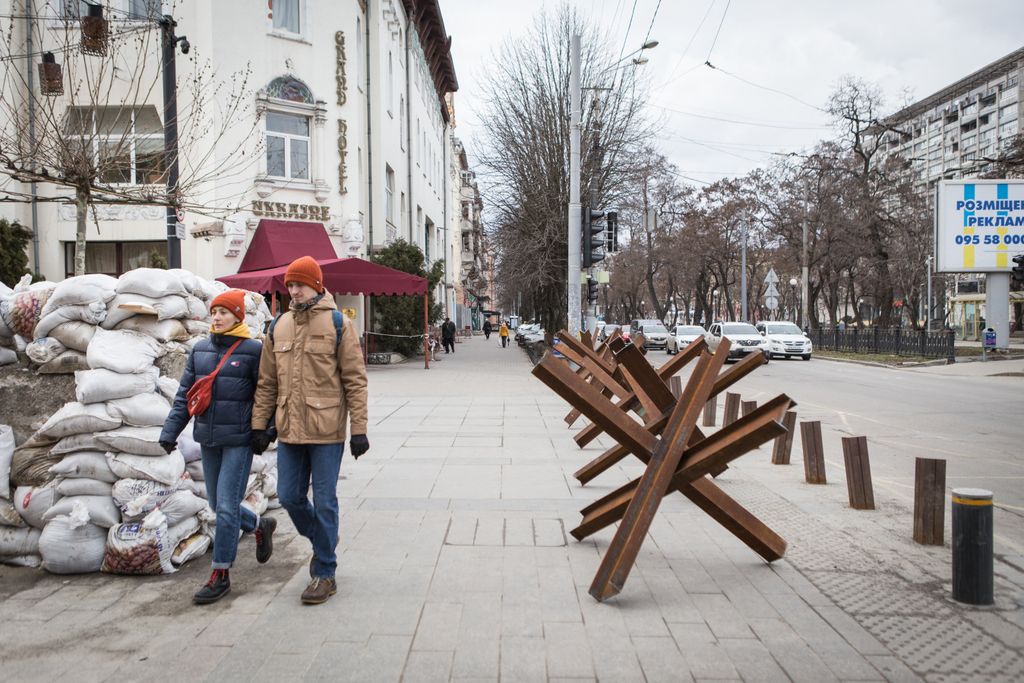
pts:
[51, 76]
[95, 32]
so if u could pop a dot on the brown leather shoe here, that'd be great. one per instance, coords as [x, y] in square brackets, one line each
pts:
[319, 590]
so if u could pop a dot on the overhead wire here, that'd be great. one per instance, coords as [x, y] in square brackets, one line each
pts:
[737, 121]
[764, 87]
[671, 77]
[719, 31]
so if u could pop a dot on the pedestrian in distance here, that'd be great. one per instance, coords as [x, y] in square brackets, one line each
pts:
[223, 434]
[448, 335]
[503, 333]
[312, 375]
[487, 329]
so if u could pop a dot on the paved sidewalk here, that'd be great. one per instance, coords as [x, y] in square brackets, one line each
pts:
[455, 564]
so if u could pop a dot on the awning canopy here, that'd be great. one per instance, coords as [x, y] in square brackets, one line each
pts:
[278, 243]
[341, 276]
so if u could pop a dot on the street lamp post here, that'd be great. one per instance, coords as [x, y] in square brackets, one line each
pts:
[743, 276]
[792, 288]
[928, 313]
[170, 90]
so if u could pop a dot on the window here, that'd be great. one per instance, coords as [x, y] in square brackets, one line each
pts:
[391, 83]
[389, 195]
[127, 145]
[360, 79]
[401, 208]
[114, 258]
[287, 145]
[1008, 129]
[144, 9]
[286, 15]
[1008, 112]
[401, 122]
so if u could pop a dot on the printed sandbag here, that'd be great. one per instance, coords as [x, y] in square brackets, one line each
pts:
[139, 548]
[192, 547]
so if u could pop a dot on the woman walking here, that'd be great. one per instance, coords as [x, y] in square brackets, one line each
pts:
[503, 333]
[223, 433]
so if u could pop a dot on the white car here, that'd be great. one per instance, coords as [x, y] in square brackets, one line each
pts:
[655, 335]
[743, 338]
[682, 336]
[785, 339]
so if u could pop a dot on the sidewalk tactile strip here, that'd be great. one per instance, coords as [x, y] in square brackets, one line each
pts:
[876, 593]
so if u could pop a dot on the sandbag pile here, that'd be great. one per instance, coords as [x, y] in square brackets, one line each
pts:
[92, 488]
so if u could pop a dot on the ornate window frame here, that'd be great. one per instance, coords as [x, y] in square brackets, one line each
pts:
[302, 103]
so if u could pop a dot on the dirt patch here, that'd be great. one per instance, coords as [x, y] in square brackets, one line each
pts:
[28, 399]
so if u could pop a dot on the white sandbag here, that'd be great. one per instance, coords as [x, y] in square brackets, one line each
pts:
[9, 514]
[83, 289]
[70, 544]
[258, 464]
[257, 502]
[166, 469]
[255, 482]
[270, 456]
[144, 410]
[6, 456]
[122, 351]
[32, 502]
[197, 327]
[273, 503]
[66, 363]
[138, 497]
[15, 542]
[77, 442]
[74, 334]
[167, 387]
[94, 314]
[196, 487]
[134, 440]
[30, 561]
[79, 418]
[190, 450]
[181, 505]
[182, 530]
[270, 483]
[101, 509]
[8, 356]
[151, 282]
[85, 465]
[140, 548]
[125, 307]
[84, 487]
[44, 349]
[190, 281]
[96, 386]
[195, 470]
[192, 547]
[161, 330]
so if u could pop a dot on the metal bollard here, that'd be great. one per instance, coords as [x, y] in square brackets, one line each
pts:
[972, 546]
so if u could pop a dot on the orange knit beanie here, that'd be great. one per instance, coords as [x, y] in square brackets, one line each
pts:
[307, 271]
[233, 300]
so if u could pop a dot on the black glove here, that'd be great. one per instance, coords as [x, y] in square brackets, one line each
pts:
[359, 444]
[259, 441]
[168, 446]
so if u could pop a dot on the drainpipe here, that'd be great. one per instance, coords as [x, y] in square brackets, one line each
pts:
[408, 123]
[369, 135]
[30, 24]
[444, 214]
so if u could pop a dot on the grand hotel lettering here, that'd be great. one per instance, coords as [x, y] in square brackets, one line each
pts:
[294, 211]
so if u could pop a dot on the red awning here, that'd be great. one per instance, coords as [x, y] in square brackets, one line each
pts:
[278, 243]
[341, 276]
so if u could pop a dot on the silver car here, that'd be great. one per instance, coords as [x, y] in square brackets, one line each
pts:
[743, 338]
[655, 335]
[682, 336]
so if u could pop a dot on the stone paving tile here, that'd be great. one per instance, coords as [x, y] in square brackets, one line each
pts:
[523, 658]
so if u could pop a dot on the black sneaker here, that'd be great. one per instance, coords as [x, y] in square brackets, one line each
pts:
[216, 588]
[265, 538]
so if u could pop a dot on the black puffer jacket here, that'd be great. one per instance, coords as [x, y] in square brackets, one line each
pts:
[227, 421]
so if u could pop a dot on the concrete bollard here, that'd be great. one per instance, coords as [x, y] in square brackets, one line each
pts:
[972, 546]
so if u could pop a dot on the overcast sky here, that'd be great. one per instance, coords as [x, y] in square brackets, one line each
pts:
[799, 47]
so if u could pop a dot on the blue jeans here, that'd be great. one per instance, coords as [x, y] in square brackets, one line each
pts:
[226, 470]
[297, 464]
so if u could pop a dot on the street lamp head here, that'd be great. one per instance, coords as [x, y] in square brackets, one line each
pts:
[640, 60]
[792, 282]
[650, 44]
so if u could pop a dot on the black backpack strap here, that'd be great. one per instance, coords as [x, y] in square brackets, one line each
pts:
[270, 330]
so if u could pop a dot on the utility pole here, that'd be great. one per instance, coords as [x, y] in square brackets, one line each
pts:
[804, 284]
[572, 281]
[743, 276]
[169, 43]
[928, 313]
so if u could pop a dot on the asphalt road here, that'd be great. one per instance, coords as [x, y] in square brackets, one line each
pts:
[964, 414]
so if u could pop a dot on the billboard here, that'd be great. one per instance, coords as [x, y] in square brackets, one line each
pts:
[979, 225]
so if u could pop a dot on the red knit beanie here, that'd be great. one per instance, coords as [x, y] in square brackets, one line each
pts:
[233, 300]
[307, 271]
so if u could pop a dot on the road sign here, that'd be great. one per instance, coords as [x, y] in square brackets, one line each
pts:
[179, 230]
[771, 291]
[771, 278]
[180, 215]
[771, 302]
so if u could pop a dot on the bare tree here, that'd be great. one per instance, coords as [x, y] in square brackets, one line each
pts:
[89, 128]
[526, 152]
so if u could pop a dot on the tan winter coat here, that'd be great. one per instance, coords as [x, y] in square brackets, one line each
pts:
[313, 382]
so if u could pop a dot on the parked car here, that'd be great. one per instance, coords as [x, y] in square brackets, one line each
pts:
[638, 322]
[682, 336]
[523, 330]
[655, 334]
[743, 337]
[785, 339]
[607, 330]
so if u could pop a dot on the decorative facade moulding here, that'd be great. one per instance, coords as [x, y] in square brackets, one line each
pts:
[301, 212]
[342, 156]
[114, 212]
[342, 82]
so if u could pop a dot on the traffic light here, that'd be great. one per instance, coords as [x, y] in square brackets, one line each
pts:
[591, 290]
[593, 236]
[611, 235]
[1018, 270]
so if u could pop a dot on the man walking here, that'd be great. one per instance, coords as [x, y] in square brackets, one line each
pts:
[448, 335]
[487, 329]
[312, 375]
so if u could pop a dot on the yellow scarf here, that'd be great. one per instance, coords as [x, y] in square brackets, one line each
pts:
[239, 330]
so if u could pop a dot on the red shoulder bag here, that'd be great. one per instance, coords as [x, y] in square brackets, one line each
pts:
[198, 397]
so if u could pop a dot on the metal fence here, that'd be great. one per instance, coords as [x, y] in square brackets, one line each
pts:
[893, 341]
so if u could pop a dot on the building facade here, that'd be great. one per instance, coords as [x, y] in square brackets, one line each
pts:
[336, 114]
